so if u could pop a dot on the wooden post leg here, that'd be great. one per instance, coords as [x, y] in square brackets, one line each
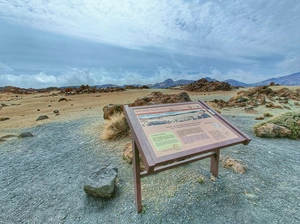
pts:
[137, 178]
[214, 163]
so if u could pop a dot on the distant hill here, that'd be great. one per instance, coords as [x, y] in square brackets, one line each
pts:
[288, 80]
[169, 83]
[235, 83]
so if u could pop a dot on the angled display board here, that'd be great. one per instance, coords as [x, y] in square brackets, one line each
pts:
[167, 133]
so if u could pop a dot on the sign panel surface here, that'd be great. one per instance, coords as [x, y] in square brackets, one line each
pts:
[174, 128]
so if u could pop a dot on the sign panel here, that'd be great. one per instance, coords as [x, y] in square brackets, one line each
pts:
[179, 127]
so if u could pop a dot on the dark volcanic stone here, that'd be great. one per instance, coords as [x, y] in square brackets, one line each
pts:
[8, 136]
[42, 117]
[25, 135]
[4, 118]
[62, 99]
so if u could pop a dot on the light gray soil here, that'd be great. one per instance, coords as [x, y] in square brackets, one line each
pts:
[42, 180]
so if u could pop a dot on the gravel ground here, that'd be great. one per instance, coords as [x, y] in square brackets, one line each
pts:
[42, 181]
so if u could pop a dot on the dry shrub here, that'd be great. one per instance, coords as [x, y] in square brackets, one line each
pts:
[214, 106]
[127, 155]
[236, 165]
[115, 128]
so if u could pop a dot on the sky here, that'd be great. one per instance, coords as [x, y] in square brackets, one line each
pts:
[72, 42]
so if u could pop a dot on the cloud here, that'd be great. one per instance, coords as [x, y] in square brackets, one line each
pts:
[290, 64]
[77, 77]
[4, 68]
[236, 30]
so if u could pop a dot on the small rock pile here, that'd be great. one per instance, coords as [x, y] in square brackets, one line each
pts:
[202, 85]
[86, 89]
[136, 87]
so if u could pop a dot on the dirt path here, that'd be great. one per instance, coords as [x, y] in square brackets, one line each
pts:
[42, 181]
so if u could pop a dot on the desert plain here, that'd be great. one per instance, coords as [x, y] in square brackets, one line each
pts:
[42, 177]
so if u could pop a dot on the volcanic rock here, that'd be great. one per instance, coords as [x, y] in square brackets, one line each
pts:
[62, 99]
[25, 135]
[4, 118]
[42, 117]
[102, 183]
[157, 97]
[202, 85]
[270, 130]
[237, 165]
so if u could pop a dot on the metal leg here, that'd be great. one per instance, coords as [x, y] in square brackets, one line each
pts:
[214, 163]
[137, 177]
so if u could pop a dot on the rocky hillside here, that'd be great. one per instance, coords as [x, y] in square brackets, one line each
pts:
[202, 85]
[261, 95]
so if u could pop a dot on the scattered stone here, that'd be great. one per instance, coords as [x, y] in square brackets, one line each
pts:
[4, 118]
[212, 178]
[49, 105]
[102, 183]
[250, 110]
[25, 135]
[272, 105]
[2, 140]
[8, 136]
[237, 165]
[62, 99]
[270, 130]
[260, 117]
[296, 103]
[42, 117]
[38, 109]
[56, 111]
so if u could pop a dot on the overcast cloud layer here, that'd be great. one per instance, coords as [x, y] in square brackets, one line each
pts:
[60, 42]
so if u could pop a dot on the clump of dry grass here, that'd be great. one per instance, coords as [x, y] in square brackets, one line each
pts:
[115, 128]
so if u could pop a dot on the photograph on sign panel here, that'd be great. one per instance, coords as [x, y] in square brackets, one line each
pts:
[172, 117]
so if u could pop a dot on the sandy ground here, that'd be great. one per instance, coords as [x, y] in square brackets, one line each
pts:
[42, 178]
[23, 110]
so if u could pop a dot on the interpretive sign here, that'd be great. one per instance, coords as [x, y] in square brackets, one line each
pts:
[185, 132]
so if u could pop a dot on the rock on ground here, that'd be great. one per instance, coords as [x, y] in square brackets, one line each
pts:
[102, 183]
[25, 135]
[42, 117]
[272, 130]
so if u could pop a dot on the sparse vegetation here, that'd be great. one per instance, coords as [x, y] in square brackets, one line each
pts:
[115, 128]
[268, 114]
[289, 120]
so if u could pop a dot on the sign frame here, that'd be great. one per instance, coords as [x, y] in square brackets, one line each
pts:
[144, 147]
